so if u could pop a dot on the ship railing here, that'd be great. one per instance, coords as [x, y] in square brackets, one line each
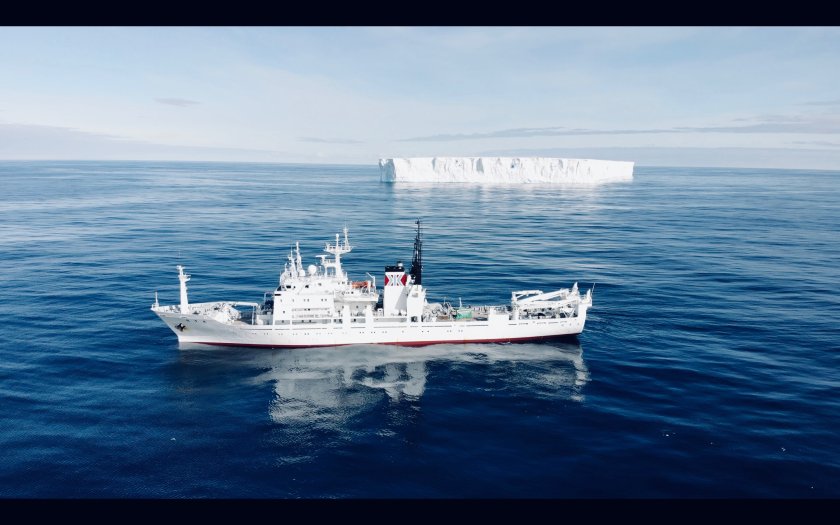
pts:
[167, 308]
[312, 316]
[358, 291]
[550, 303]
[485, 309]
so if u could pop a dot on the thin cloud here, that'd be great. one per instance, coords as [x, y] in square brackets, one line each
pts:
[771, 125]
[329, 141]
[776, 118]
[180, 102]
[38, 142]
[525, 133]
[817, 143]
[835, 102]
[733, 157]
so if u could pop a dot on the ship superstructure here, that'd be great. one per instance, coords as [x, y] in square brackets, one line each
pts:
[319, 305]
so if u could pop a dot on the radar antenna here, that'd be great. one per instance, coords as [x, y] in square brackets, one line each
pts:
[416, 271]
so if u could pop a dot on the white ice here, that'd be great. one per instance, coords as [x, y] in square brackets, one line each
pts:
[504, 170]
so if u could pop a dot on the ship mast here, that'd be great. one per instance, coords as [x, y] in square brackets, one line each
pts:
[416, 271]
[183, 278]
[337, 249]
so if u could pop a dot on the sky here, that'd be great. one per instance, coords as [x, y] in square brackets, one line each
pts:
[659, 96]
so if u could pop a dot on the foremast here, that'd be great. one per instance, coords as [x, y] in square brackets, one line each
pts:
[183, 278]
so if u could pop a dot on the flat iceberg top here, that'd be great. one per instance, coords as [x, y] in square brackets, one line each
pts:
[504, 170]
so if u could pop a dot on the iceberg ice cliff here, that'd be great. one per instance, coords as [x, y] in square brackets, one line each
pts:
[504, 170]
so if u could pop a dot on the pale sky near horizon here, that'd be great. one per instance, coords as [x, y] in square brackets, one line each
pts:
[684, 96]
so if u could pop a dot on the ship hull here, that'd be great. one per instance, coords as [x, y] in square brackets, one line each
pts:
[198, 329]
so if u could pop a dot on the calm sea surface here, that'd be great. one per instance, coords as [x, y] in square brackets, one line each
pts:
[709, 367]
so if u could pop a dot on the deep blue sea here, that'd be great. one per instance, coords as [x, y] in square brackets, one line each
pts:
[709, 366]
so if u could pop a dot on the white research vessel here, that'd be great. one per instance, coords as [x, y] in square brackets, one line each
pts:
[320, 306]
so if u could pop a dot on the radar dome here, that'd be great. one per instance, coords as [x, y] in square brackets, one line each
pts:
[312, 269]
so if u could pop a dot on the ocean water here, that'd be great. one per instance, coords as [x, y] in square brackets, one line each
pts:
[709, 366]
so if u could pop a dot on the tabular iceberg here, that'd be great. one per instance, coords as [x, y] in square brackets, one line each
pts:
[504, 170]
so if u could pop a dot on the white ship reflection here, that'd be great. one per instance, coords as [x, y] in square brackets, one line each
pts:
[325, 386]
[314, 385]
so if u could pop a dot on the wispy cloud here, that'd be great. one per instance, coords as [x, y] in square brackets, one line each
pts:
[732, 157]
[180, 102]
[36, 142]
[835, 102]
[329, 141]
[771, 124]
[529, 132]
[817, 143]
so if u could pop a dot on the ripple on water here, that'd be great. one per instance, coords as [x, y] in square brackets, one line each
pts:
[708, 367]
